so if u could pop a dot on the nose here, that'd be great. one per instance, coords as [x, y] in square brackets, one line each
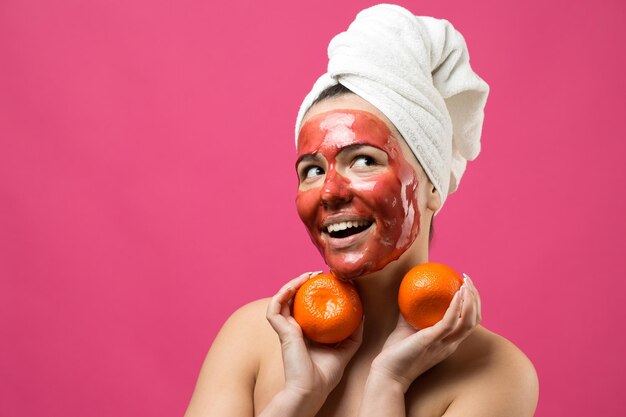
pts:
[336, 189]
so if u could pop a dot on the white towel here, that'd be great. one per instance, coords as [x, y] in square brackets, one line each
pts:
[416, 71]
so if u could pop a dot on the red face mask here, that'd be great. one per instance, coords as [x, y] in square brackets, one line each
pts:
[357, 193]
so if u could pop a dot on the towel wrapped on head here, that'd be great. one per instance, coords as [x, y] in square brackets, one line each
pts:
[416, 71]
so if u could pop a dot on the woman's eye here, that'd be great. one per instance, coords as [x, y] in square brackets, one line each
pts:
[312, 172]
[363, 161]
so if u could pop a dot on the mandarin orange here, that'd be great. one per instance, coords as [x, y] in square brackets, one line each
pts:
[426, 292]
[327, 309]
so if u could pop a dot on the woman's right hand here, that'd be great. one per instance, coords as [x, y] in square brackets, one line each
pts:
[408, 352]
[312, 370]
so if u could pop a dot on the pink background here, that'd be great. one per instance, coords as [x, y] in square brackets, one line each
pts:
[147, 190]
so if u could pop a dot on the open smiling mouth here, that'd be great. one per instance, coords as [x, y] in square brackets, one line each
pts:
[346, 229]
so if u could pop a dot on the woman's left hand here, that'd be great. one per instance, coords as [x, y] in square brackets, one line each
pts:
[408, 353]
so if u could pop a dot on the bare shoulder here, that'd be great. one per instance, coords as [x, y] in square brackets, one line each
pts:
[246, 333]
[486, 376]
[230, 368]
[249, 317]
[501, 380]
[244, 324]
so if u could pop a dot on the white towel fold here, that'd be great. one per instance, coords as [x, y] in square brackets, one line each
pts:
[416, 71]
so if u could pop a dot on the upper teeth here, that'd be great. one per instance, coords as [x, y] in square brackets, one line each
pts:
[344, 225]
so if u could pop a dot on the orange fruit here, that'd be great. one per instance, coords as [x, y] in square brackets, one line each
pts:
[426, 292]
[327, 309]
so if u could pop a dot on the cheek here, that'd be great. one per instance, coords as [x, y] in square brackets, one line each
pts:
[307, 203]
[411, 200]
[384, 196]
[394, 199]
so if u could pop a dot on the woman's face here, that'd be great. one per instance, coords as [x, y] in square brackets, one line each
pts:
[357, 193]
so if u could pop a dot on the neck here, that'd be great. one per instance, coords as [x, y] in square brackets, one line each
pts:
[379, 295]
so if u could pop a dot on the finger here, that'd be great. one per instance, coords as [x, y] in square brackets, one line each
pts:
[476, 296]
[280, 299]
[403, 330]
[287, 291]
[285, 311]
[298, 281]
[467, 322]
[278, 318]
[454, 310]
[338, 355]
[402, 323]
[352, 343]
[447, 324]
[278, 307]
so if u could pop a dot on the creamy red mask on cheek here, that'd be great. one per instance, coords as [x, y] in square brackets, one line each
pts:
[361, 216]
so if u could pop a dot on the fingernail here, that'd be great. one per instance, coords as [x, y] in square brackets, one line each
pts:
[315, 273]
[466, 278]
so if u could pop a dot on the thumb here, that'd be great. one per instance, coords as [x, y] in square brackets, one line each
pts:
[349, 346]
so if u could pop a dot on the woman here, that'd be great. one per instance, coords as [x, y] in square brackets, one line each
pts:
[382, 139]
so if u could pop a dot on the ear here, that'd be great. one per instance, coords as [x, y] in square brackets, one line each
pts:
[434, 199]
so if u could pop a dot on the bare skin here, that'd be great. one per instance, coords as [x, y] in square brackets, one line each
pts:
[261, 365]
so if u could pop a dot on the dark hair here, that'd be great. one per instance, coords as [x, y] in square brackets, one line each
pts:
[339, 90]
[332, 91]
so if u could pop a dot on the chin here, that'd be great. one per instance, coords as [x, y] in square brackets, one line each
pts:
[348, 272]
[345, 270]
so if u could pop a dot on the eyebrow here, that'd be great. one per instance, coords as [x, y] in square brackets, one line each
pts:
[307, 157]
[349, 148]
[356, 147]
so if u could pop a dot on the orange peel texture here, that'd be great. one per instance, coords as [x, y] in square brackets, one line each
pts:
[426, 292]
[327, 309]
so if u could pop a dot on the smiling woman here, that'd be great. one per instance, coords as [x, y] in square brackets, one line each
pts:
[376, 159]
[358, 193]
